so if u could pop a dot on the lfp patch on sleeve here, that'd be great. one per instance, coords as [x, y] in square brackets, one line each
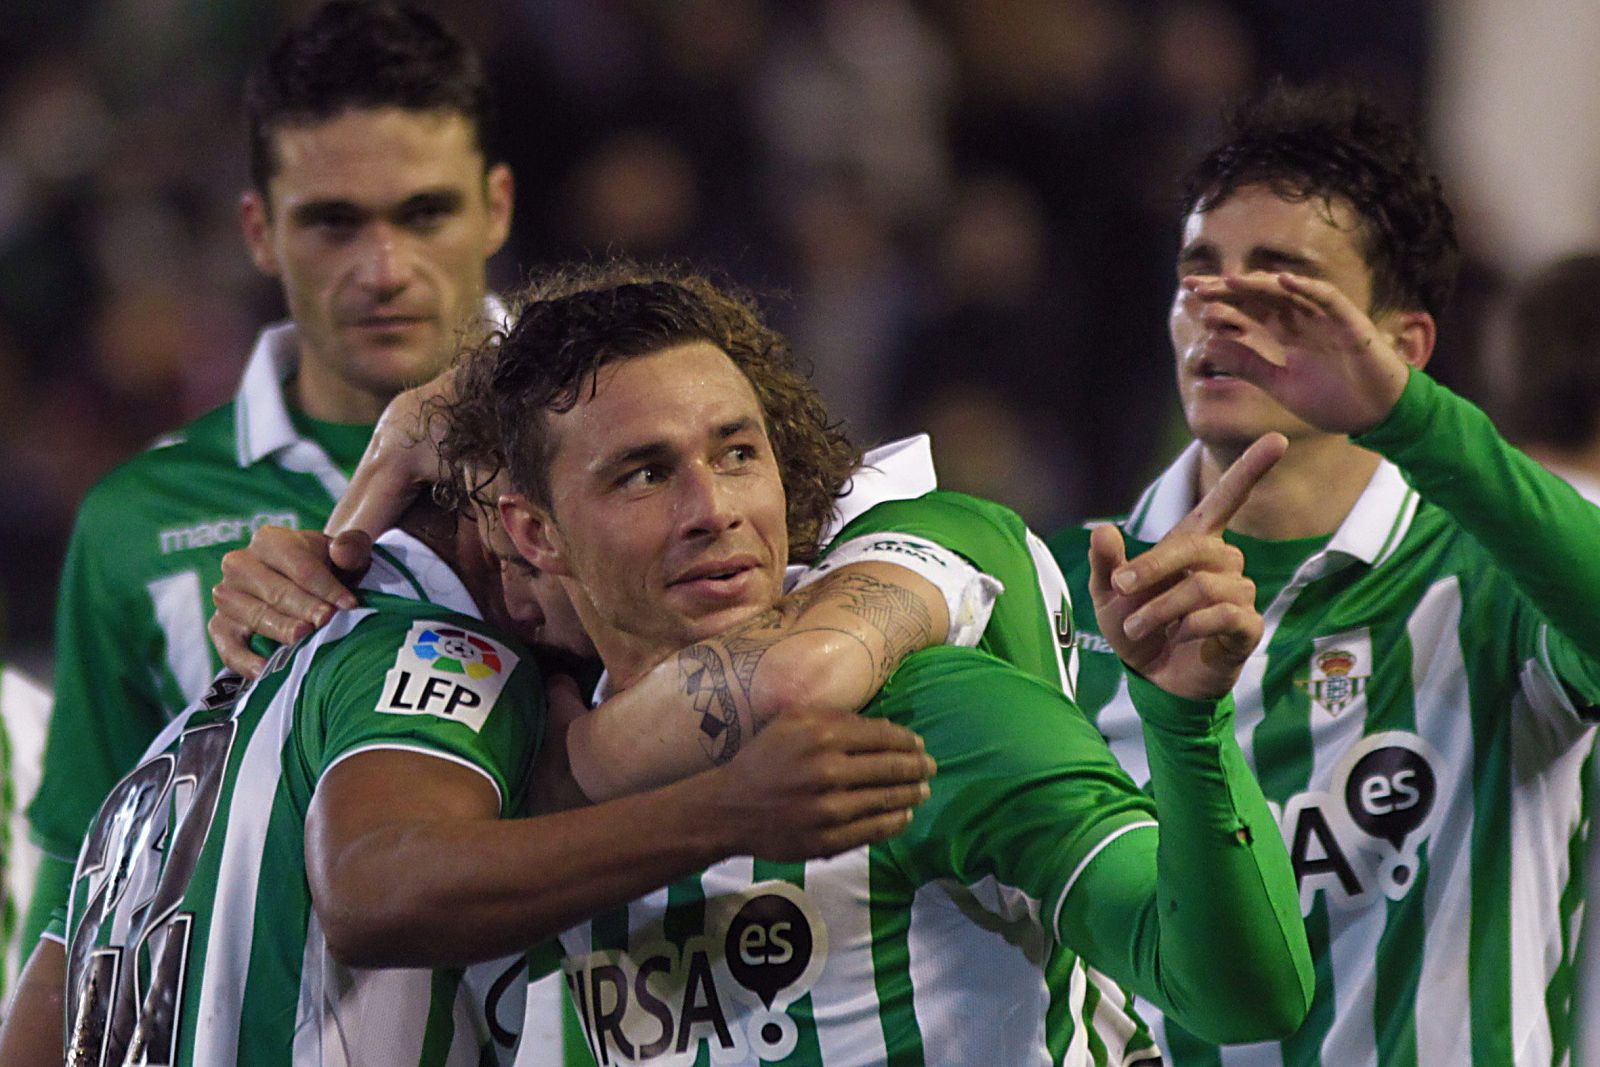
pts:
[446, 672]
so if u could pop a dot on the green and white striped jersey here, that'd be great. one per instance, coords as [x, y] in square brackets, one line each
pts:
[1030, 627]
[131, 648]
[1420, 713]
[928, 948]
[24, 710]
[191, 939]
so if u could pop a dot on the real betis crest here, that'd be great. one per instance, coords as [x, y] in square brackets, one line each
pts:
[1340, 667]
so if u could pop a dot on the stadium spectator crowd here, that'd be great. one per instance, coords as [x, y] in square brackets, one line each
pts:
[959, 211]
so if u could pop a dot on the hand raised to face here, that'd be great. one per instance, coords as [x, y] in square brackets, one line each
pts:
[1305, 343]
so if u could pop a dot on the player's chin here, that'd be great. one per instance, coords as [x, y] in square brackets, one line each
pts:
[395, 367]
[702, 622]
[1234, 415]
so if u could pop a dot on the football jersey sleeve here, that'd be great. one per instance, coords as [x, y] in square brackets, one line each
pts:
[1031, 618]
[442, 686]
[99, 665]
[1535, 528]
[1026, 790]
[1031, 813]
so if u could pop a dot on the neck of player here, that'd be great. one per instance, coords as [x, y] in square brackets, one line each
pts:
[1308, 493]
[323, 394]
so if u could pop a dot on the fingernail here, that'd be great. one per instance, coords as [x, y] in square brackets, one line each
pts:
[1133, 626]
[348, 602]
[1125, 581]
[926, 791]
[321, 614]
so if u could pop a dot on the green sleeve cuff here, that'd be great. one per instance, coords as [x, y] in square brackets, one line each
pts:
[1407, 422]
[1179, 716]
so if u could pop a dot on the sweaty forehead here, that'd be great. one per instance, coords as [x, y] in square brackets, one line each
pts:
[679, 397]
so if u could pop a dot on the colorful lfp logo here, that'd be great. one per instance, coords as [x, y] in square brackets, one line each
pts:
[457, 652]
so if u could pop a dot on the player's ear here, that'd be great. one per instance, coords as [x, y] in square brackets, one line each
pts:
[1414, 333]
[534, 532]
[255, 219]
[500, 193]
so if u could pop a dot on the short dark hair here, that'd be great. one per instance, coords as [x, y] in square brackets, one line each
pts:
[363, 54]
[1553, 395]
[568, 324]
[1332, 144]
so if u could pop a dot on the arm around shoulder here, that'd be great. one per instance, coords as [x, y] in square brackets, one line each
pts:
[410, 866]
[826, 647]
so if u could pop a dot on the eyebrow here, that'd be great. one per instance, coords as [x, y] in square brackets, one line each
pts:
[1261, 257]
[655, 451]
[1275, 259]
[434, 199]
[735, 427]
[312, 212]
[651, 452]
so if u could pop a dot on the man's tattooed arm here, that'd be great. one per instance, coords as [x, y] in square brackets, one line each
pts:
[718, 674]
[829, 646]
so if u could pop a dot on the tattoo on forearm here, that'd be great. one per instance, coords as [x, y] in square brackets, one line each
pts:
[718, 674]
[706, 681]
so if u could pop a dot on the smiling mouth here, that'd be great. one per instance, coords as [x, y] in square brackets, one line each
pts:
[715, 576]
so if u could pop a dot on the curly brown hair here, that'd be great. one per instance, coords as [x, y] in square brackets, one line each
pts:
[568, 323]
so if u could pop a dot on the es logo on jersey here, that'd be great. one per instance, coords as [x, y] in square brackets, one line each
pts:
[445, 671]
[760, 951]
[1361, 838]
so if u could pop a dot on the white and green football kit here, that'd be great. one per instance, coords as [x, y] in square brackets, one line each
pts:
[1028, 625]
[24, 711]
[191, 939]
[1420, 714]
[1008, 597]
[932, 947]
[131, 649]
[1586, 1042]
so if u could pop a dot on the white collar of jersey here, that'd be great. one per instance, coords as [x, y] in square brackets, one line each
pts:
[260, 412]
[1372, 529]
[408, 568]
[263, 428]
[899, 470]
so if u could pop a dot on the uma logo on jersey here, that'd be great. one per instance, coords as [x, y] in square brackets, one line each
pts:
[1359, 841]
[1341, 664]
[445, 671]
[729, 987]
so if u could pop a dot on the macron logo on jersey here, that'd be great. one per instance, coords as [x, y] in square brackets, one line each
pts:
[222, 531]
[446, 672]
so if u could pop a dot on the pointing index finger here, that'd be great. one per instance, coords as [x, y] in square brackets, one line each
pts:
[1212, 515]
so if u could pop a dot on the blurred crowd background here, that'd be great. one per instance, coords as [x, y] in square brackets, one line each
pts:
[962, 211]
